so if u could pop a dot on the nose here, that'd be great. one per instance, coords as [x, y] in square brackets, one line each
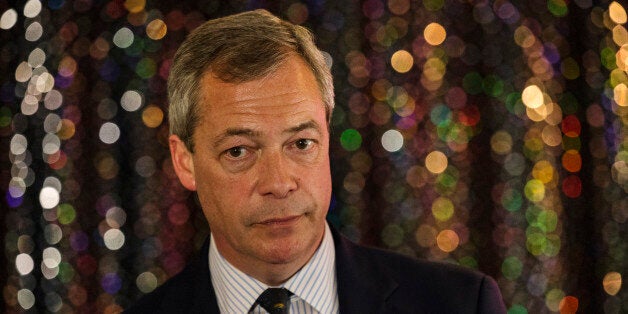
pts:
[275, 175]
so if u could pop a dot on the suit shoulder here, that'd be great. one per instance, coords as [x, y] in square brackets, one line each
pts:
[451, 286]
[441, 276]
[172, 291]
[189, 291]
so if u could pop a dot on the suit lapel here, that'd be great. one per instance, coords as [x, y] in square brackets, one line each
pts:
[363, 285]
[204, 300]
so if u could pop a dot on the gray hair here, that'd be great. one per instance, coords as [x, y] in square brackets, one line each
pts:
[238, 48]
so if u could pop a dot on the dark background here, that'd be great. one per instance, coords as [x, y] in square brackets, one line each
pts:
[534, 198]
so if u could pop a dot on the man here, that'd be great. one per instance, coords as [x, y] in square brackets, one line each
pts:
[251, 100]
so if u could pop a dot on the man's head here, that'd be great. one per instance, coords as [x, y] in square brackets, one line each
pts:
[257, 119]
[238, 48]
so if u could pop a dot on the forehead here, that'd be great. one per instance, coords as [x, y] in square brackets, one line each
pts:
[291, 87]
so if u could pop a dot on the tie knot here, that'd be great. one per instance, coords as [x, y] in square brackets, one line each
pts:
[275, 300]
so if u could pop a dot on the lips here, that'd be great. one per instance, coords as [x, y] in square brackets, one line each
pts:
[280, 220]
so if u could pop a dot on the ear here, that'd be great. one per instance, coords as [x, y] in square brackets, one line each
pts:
[182, 162]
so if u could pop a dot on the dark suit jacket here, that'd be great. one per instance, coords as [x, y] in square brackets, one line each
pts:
[369, 281]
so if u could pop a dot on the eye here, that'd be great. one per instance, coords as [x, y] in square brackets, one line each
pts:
[303, 144]
[237, 152]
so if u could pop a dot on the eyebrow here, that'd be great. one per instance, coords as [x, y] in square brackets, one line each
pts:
[247, 132]
[304, 126]
[231, 132]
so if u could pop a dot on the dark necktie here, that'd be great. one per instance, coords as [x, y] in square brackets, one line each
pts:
[275, 300]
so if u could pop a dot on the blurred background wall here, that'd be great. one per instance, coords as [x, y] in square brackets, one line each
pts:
[490, 134]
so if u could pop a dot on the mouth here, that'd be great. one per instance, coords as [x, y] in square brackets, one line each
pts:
[280, 221]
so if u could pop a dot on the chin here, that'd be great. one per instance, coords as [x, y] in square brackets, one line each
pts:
[287, 250]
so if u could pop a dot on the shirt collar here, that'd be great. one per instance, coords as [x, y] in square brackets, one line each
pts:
[315, 282]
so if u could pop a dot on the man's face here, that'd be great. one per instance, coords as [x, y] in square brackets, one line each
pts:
[261, 165]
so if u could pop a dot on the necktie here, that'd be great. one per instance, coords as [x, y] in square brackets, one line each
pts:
[275, 300]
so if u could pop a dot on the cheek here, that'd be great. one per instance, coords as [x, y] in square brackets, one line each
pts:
[319, 182]
[221, 196]
[230, 193]
[220, 211]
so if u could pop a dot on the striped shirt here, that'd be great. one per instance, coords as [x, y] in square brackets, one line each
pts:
[314, 286]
